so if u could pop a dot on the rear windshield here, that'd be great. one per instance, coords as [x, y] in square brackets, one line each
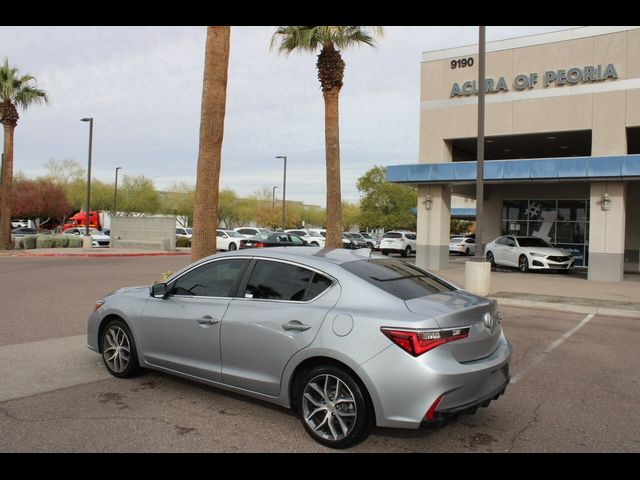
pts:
[398, 278]
[392, 235]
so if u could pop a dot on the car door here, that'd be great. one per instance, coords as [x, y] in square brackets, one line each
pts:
[281, 313]
[182, 332]
[412, 241]
[222, 240]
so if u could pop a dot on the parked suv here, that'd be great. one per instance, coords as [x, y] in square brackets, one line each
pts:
[400, 242]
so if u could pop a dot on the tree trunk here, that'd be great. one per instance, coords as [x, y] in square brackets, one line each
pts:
[332, 148]
[214, 96]
[7, 185]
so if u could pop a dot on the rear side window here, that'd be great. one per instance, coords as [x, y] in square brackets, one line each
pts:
[283, 281]
[400, 279]
[411, 236]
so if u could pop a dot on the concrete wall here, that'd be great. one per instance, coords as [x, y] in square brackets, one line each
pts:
[146, 233]
[604, 107]
[606, 232]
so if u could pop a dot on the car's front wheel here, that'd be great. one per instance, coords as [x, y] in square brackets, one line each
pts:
[334, 408]
[523, 264]
[232, 247]
[119, 350]
[491, 260]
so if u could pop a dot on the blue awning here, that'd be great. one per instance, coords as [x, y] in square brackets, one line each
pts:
[536, 169]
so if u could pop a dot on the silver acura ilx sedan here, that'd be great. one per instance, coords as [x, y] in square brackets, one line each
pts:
[347, 339]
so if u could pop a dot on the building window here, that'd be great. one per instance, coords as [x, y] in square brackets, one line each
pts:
[563, 223]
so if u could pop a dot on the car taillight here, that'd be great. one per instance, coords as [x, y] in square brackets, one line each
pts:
[259, 245]
[417, 342]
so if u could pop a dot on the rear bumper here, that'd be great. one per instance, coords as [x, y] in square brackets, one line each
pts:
[402, 401]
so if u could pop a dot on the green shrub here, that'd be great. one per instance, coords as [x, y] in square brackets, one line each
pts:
[75, 242]
[60, 241]
[30, 241]
[43, 241]
[183, 242]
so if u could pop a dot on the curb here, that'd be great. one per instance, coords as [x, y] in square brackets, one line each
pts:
[565, 307]
[100, 255]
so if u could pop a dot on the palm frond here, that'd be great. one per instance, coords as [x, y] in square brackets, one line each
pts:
[308, 38]
[19, 89]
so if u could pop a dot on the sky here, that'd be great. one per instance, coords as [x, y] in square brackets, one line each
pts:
[143, 87]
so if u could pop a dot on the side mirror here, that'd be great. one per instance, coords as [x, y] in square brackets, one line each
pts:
[160, 290]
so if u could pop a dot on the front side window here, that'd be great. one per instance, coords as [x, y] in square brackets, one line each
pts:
[283, 281]
[214, 279]
[296, 240]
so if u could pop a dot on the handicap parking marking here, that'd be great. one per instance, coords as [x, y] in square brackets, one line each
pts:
[516, 378]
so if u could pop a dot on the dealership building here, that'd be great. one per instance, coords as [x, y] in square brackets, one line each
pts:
[562, 149]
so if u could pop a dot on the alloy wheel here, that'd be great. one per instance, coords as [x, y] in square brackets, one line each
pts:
[329, 407]
[117, 349]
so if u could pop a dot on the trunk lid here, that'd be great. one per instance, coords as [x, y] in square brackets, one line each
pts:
[463, 309]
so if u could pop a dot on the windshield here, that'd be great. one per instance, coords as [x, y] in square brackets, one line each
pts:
[233, 234]
[366, 235]
[398, 278]
[533, 242]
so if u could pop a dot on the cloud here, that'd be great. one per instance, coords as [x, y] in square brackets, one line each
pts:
[143, 86]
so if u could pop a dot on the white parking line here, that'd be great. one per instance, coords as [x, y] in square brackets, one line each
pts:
[551, 348]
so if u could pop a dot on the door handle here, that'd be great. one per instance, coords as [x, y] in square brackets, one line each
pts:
[296, 326]
[207, 320]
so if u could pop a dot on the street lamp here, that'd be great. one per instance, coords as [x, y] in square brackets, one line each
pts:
[273, 196]
[284, 189]
[115, 194]
[86, 220]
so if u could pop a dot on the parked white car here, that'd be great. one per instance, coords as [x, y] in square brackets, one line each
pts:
[184, 232]
[228, 240]
[527, 253]
[247, 232]
[398, 241]
[312, 237]
[98, 239]
[462, 245]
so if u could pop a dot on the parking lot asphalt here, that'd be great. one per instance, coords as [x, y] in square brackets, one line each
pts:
[574, 382]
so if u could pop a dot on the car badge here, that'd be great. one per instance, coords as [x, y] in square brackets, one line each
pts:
[488, 320]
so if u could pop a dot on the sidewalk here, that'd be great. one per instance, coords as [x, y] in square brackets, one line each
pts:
[556, 291]
[93, 252]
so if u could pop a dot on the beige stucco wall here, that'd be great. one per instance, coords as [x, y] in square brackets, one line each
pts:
[606, 113]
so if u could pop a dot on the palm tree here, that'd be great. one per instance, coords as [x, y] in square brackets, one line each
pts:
[214, 96]
[330, 73]
[15, 91]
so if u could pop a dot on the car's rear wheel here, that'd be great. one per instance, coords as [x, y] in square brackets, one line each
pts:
[232, 247]
[315, 244]
[119, 350]
[384, 252]
[467, 252]
[407, 252]
[523, 264]
[334, 408]
[491, 260]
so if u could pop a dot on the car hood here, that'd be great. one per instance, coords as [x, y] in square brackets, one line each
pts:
[547, 251]
[131, 291]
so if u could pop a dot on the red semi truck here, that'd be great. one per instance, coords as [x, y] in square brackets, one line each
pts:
[78, 220]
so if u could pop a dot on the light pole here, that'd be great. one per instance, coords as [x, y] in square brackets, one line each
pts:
[273, 196]
[284, 189]
[480, 148]
[115, 194]
[86, 220]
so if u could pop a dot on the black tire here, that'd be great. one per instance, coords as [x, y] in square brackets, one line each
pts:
[115, 333]
[232, 247]
[384, 252]
[357, 430]
[467, 252]
[523, 264]
[315, 244]
[407, 252]
[491, 260]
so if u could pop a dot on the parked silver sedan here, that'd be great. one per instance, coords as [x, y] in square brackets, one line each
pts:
[347, 339]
